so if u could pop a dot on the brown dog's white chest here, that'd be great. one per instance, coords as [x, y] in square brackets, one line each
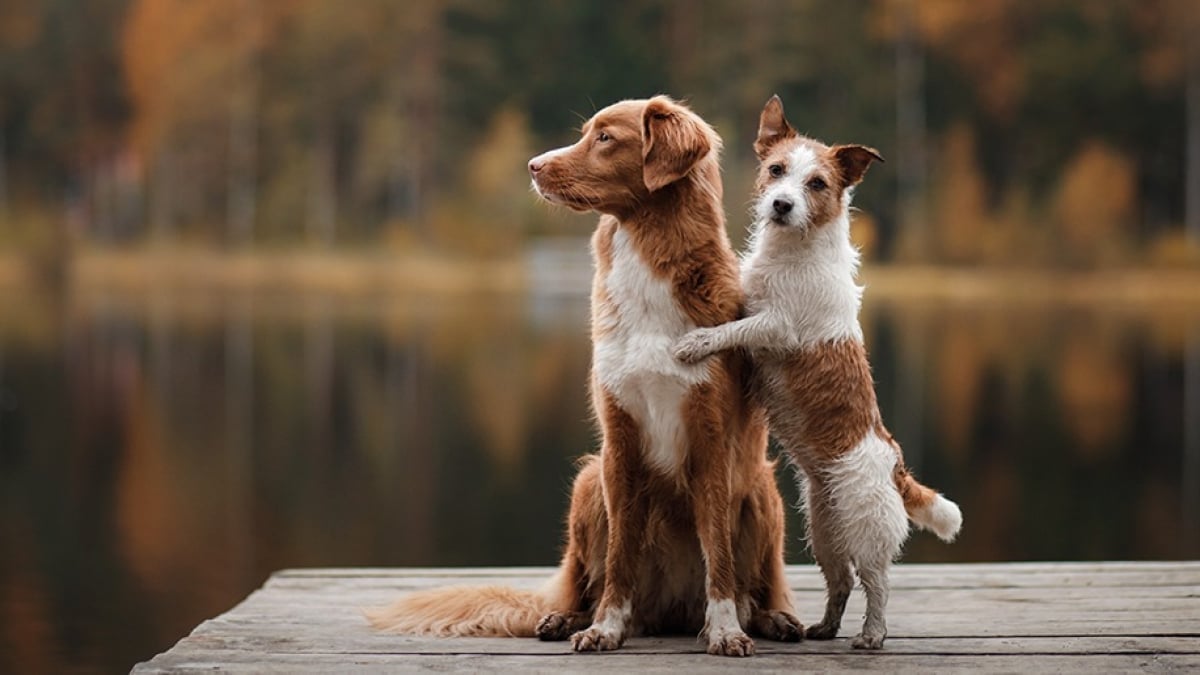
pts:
[636, 321]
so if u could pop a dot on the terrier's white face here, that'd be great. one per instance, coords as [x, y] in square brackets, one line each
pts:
[803, 183]
[800, 186]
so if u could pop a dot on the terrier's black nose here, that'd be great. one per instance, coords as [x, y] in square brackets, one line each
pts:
[781, 206]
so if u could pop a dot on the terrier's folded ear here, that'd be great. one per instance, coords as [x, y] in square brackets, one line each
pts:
[853, 161]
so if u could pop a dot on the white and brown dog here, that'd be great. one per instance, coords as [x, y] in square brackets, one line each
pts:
[803, 332]
[677, 525]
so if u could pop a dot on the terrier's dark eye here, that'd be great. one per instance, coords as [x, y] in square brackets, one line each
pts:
[816, 184]
[776, 170]
[603, 137]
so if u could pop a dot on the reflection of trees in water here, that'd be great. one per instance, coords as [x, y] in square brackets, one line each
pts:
[1065, 428]
[1191, 420]
[163, 460]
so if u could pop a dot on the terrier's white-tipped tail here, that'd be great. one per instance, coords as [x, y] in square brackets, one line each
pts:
[941, 516]
[928, 509]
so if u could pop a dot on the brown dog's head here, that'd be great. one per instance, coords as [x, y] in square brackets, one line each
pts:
[629, 152]
[803, 182]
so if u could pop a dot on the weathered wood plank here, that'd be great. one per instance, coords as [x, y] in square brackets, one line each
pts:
[308, 643]
[973, 575]
[1067, 617]
[627, 662]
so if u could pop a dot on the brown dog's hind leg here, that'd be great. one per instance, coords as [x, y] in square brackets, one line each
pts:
[774, 624]
[775, 619]
[773, 616]
[560, 625]
[575, 586]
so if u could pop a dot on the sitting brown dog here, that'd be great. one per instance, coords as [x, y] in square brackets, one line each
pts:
[677, 525]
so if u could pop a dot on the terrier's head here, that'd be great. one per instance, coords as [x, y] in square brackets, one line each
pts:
[802, 182]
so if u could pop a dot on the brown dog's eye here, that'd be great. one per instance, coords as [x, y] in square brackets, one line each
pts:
[816, 184]
[603, 137]
[776, 170]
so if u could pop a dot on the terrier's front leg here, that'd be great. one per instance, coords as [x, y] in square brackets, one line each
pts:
[753, 332]
[696, 345]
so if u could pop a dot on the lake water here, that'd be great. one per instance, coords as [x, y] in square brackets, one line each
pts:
[160, 455]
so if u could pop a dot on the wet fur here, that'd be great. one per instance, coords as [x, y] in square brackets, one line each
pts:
[803, 332]
[676, 526]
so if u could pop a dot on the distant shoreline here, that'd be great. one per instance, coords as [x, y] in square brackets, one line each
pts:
[357, 274]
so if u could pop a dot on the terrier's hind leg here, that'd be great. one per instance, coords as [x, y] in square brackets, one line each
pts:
[835, 566]
[839, 581]
[874, 577]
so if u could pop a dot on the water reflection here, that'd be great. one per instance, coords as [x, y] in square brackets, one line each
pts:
[160, 455]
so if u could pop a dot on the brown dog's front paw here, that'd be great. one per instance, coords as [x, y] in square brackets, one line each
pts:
[777, 625]
[864, 641]
[731, 644]
[559, 625]
[596, 640]
[822, 631]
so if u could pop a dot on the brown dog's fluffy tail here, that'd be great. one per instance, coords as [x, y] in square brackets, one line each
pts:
[482, 611]
[925, 507]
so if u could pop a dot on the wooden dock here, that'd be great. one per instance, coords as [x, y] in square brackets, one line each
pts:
[1021, 617]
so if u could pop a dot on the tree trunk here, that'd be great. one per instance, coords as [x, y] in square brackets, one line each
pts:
[162, 195]
[1191, 19]
[322, 200]
[243, 133]
[3, 171]
[910, 137]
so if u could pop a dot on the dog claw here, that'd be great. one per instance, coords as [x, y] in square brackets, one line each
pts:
[595, 640]
[559, 625]
[737, 644]
[822, 631]
[693, 347]
[778, 625]
[867, 641]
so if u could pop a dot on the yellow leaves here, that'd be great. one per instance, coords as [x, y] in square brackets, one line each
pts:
[961, 219]
[497, 169]
[864, 234]
[163, 52]
[1094, 204]
[983, 37]
[495, 206]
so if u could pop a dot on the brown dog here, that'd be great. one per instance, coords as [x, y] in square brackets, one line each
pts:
[677, 525]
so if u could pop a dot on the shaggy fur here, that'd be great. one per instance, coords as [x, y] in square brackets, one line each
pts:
[803, 332]
[677, 525]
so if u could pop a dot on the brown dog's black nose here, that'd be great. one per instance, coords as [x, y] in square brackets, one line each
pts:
[781, 206]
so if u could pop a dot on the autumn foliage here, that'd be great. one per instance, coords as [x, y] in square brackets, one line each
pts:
[1016, 132]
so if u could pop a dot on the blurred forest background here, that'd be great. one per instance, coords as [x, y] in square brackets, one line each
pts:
[274, 291]
[1048, 133]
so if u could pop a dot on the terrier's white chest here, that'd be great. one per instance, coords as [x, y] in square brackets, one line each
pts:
[632, 355]
[808, 289]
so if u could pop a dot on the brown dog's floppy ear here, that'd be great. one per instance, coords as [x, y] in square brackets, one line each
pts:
[772, 127]
[672, 142]
[853, 160]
